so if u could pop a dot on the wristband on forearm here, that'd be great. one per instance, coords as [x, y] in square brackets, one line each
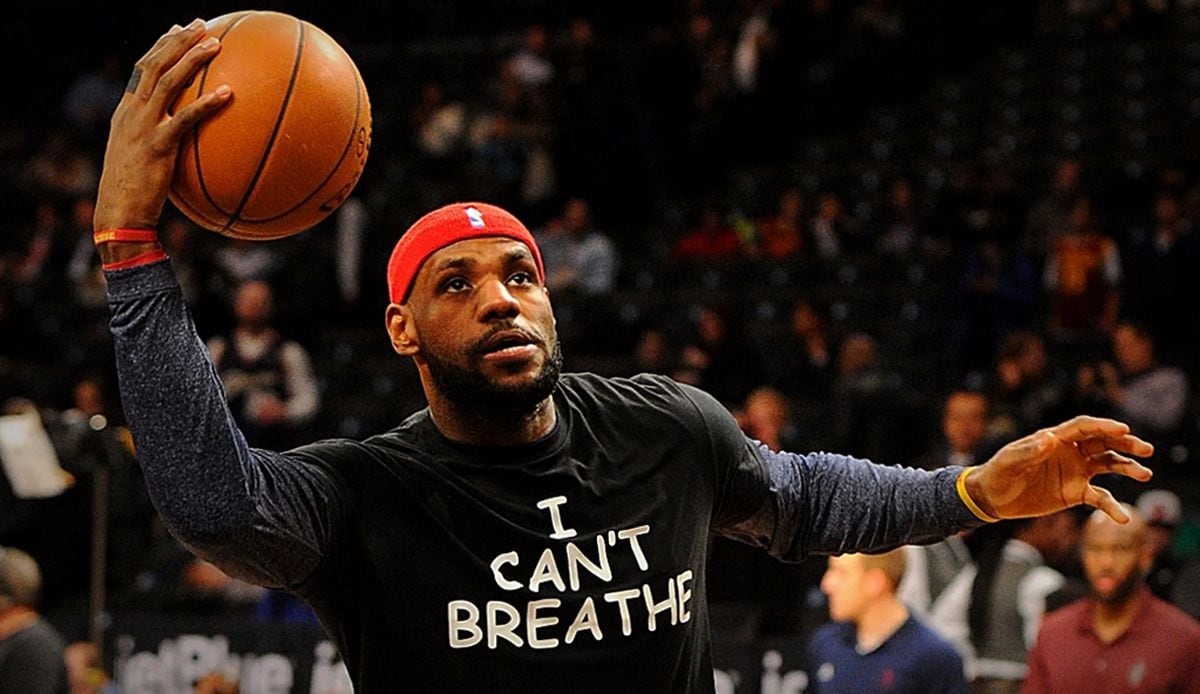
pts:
[126, 235]
[961, 486]
[140, 259]
[143, 236]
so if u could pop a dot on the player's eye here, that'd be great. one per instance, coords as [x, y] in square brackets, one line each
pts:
[521, 278]
[455, 284]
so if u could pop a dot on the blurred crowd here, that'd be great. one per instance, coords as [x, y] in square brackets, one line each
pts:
[920, 315]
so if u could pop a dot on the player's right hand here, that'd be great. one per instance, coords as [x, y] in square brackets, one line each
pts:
[143, 141]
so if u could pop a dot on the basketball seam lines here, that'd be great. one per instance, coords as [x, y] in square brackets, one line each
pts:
[354, 127]
[262, 164]
[196, 128]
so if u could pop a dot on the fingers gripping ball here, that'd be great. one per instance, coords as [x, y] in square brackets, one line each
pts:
[290, 146]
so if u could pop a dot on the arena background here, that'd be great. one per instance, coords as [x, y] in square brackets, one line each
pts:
[665, 116]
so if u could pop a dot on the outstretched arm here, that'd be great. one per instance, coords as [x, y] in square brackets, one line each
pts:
[261, 516]
[796, 505]
[823, 503]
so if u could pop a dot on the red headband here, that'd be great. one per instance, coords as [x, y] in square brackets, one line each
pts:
[447, 225]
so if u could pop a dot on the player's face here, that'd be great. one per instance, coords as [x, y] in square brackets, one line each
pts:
[843, 585]
[1115, 559]
[484, 324]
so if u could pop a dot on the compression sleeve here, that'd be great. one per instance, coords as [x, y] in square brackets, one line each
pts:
[261, 516]
[823, 503]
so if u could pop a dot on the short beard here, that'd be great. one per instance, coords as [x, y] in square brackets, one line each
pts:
[471, 391]
[1124, 590]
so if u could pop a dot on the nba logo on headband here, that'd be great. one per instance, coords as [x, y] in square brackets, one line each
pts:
[443, 227]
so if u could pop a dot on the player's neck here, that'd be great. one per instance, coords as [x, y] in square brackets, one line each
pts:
[1110, 620]
[497, 428]
[879, 622]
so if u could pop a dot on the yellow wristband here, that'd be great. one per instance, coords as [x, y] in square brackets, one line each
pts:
[961, 486]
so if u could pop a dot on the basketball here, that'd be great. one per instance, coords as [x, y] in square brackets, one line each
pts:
[291, 144]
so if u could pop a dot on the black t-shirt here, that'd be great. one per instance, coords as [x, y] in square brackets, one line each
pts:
[571, 564]
[407, 544]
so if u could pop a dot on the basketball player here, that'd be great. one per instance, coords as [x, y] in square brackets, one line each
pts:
[530, 531]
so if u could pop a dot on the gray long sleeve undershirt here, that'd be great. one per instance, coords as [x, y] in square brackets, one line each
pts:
[267, 517]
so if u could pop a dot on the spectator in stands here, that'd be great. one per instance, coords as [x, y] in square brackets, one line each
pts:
[268, 379]
[711, 240]
[717, 358]
[1186, 593]
[874, 414]
[711, 57]
[831, 230]
[782, 236]
[653, 352]
[61, 169]
[31, 651]
[92, 96]
[83, 268]
[1005, 596]
[802, 363]
[930, 570]
[579, 257]
[1051, 214]
[1150, 396]
[531, 65]
[1122, 638]
[500, 156]
[964, 439]
[766, 417]
[1083, 272]
[191, 265]
[902, 227]
[1135, 18]
[956, 213]
[44, 510]
[1163, 510]
[85, 670]
[46, 248]
[874, 643]
[588, 94]
[1001, 289]
[438, 124]
[1161, 263]
[999, 212]
[236, 262]
[1028, 392]
[91, 438]
[760, 121]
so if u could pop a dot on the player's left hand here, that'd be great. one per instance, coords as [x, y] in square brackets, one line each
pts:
[1052, 469]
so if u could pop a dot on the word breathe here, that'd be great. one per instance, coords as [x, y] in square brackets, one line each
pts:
[537, 624]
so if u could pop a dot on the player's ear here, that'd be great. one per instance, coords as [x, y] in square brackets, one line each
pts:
[402, 330]
[553, 316]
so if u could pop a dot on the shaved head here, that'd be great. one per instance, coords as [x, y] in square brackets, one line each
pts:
[1099, 523]
[20, 579]
[1116, 556]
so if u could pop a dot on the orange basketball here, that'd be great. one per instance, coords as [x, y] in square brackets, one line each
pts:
[291, 144]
